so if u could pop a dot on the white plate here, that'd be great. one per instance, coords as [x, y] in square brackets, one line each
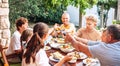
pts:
[73, 60]
[58, 40]
[52, 59]
[66, 50]
[82, 55]
[47, 47]
[55, 45]
[90, 61]
[79, 54]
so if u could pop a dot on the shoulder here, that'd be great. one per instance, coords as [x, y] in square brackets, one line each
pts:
[41, 52]
[97, 31]
[81, 29]
[71, 24]
[16, 34]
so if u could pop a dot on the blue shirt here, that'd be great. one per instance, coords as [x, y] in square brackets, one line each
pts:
[108, 54]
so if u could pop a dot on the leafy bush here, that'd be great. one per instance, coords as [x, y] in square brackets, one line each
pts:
[35, 11]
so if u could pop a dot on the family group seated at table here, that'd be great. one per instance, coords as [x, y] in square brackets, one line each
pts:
[34, 54]
[29, 44]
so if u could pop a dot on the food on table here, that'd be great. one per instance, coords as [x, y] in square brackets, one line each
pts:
[54, 45]
[57, 55]
[47, 47]
[89, 61]
[78, 55]
[73, 60]
[58, 28]
[66, 48]
[58, 40]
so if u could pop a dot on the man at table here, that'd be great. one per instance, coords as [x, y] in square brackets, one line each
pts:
[107, 50]
[65, 27]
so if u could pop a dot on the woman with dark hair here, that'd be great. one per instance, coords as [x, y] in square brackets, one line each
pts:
[34, 54]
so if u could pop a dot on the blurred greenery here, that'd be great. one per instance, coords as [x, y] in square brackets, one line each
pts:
[116, 22]
[48, 11]
[19, 64]
[103, 9]
[81, 4]
[35, 11]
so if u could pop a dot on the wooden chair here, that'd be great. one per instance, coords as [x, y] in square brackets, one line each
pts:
[3, 55]
[4, 58]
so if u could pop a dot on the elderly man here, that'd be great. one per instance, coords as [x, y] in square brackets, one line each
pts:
[66, 26]
[107, 51]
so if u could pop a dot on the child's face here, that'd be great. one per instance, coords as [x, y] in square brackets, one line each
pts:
[90, 24]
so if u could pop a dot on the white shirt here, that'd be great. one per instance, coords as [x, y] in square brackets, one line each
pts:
[41, 59]
[15, 43]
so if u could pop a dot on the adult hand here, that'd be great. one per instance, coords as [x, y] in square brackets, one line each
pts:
[56, 26]
[69, 38]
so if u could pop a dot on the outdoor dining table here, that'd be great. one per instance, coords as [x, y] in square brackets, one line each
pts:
[52, 50]
[79, 62]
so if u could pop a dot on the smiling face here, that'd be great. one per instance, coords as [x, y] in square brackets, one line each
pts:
[90, 24]
[65, 18]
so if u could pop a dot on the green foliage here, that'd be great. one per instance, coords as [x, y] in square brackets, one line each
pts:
[35, 10]
[48, 11]
[116, 22]
[83, 4]
[103, 8]
[108, 4]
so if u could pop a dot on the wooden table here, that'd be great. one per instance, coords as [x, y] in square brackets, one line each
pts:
[52, 50]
